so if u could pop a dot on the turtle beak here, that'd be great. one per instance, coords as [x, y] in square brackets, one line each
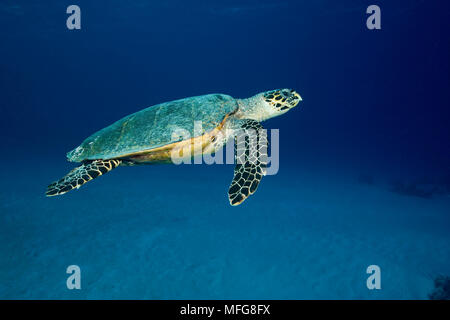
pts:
[295, 98]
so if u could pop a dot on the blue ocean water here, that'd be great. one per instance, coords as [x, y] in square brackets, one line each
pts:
[364, 173]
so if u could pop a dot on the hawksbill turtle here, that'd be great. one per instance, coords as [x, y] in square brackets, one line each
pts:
[147, 137]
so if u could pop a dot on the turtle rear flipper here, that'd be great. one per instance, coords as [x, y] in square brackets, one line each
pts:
[80, 175]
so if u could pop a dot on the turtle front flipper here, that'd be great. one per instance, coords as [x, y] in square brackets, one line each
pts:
[80, 175]
[250, 152]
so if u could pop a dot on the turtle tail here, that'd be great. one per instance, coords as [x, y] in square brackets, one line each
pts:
[87, 171]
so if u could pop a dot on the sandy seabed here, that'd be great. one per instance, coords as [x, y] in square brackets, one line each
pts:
[168, 232]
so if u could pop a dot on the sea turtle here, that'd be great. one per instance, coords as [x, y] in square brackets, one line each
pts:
[147, 137]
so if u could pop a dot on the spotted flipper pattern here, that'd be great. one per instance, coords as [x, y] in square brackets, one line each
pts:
[250, 152]
[80, 175]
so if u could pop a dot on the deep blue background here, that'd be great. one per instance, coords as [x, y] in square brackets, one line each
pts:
[372, 99]
[375, 106]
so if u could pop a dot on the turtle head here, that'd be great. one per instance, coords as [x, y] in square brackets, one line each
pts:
[269, 104]
[281, 100]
